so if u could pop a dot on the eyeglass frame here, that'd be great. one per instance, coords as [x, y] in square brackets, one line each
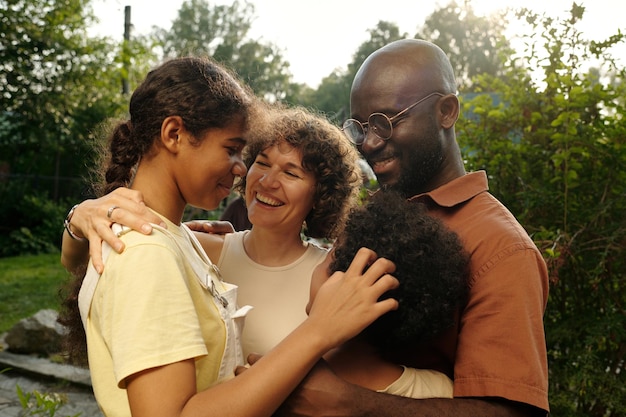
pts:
[389, 119]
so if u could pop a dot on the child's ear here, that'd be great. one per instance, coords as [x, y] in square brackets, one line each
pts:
[171, 129]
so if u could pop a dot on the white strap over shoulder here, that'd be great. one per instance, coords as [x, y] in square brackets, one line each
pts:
[88, 287]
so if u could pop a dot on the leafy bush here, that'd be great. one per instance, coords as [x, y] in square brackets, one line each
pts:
[554, 147]
[33, 223]
[35, 403]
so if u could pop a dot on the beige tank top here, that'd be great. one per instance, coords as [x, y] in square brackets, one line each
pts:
[278, 295]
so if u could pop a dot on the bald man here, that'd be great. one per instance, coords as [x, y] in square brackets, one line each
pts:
[403, 112]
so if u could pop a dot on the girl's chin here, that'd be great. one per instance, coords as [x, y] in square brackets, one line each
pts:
[222, 192]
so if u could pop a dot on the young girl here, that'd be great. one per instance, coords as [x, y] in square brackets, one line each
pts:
[303, 178]
[160, 324]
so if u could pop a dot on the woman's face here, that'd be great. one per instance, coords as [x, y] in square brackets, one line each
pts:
[279, 191]
[207, 170]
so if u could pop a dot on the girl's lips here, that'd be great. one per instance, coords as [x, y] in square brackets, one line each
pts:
[225, 188]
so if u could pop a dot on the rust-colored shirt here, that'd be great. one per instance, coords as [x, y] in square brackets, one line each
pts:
[499, 342]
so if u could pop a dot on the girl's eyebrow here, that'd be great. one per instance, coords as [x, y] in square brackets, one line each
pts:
[238, 140]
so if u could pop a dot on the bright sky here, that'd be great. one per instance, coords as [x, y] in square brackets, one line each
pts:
[317, 36]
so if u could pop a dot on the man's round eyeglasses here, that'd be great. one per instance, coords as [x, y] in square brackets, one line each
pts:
[380, 123]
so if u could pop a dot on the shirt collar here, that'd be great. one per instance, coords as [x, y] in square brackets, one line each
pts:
[457, 191]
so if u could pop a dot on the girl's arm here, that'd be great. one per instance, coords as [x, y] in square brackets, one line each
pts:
[345, 304]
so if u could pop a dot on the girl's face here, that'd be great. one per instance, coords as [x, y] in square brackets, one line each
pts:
[207, 170]
[279, 191]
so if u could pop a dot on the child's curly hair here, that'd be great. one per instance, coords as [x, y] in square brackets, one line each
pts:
[431, 265]
[326, 152]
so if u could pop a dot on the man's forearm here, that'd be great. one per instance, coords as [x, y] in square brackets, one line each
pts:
[386, 405]
[351, 400]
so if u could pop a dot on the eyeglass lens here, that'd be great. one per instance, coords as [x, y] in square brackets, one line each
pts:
[378, 122]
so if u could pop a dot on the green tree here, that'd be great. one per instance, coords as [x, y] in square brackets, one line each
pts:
[55, 86]
[551, 135]
[222, 32]
[474, 43]
[58, 85]
[333, 95]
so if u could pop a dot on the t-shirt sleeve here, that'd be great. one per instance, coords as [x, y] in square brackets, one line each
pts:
[149, 318]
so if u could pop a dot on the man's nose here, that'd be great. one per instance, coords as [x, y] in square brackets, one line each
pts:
[371, 142]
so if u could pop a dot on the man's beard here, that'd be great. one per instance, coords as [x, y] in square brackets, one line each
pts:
[421, 165]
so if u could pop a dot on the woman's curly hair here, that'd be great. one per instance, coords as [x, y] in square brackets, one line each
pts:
[431, 265]
[326, 153]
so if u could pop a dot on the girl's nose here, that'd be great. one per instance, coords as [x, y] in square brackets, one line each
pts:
[239, 168]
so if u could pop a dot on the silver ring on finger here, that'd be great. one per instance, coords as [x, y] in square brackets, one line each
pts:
[110, 211]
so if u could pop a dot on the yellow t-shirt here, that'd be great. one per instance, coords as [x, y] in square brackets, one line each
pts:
[149, 310]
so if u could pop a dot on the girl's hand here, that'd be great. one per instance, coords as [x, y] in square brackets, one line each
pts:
[348, 302]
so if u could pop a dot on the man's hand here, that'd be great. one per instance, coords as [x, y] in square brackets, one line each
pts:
[320, 391]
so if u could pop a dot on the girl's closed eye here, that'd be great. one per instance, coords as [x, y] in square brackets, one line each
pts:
[232, 150]
[235, 146]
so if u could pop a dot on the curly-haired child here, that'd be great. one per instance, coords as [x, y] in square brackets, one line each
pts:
[431, 266]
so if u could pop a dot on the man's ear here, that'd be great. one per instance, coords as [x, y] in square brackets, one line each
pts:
[449, 108]
[171, 130]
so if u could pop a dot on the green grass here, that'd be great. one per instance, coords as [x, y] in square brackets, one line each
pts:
[29, 284]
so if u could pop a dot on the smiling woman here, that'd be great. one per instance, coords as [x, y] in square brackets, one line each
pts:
[303, 177]
[279, 189]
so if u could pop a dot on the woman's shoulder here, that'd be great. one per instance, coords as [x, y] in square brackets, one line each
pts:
[316, 251]
[212, 243]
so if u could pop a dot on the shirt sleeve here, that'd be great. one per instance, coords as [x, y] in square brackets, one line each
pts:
[149, 318]
[501, 348]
